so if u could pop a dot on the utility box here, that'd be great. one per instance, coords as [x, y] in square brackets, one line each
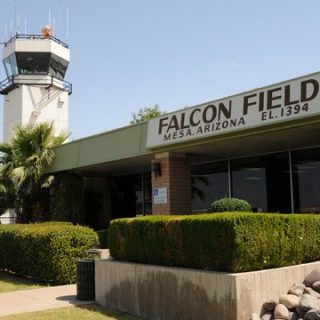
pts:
[85, 279]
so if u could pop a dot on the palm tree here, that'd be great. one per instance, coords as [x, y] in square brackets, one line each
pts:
[23, 162]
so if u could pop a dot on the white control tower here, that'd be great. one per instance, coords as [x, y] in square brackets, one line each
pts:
[35, 90]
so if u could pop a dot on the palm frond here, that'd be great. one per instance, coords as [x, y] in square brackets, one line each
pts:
[28, 153]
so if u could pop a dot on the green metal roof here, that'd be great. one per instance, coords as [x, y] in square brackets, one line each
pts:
[123, 143]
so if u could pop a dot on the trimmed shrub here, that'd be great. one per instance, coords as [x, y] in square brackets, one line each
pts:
[230, 205]
[229, 242]
[46, 251]
[103, 238]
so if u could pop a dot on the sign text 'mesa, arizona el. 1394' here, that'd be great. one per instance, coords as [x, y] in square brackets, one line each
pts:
[288, 100]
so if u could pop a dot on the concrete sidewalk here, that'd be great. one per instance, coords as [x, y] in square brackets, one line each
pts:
[39, 299]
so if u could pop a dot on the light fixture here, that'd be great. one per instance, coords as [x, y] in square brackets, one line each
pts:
[156, 169]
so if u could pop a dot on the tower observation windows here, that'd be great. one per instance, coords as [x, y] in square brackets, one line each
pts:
[35, 63]
[10, 65]
[58, 66]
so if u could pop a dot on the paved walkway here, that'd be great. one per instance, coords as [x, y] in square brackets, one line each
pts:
[39, 299]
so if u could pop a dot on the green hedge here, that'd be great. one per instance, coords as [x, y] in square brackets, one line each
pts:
[229, 242]
[45, 251]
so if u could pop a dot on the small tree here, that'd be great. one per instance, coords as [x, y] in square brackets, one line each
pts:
[145, 114]
[23, 163]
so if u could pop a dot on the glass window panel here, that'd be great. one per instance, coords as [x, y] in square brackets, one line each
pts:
[249, 182]
[306, 174]
[208, 182]
[10, 65]
[263, 181]
[13, 63]
[33, 62]
[7, 66]
[58, 66]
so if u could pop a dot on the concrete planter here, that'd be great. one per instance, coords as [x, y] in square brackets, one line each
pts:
[168, 293]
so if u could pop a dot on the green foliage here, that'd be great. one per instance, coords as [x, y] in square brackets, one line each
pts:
[46, 251]
[103, 238]
[21, 174]
[228, 242]
[230, 205]
[67, 202]
[146, 114]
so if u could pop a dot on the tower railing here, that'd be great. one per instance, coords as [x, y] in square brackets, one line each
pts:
[35, 36]
[42, 80]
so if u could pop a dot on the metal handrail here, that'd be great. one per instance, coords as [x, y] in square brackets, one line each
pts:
[35, 36]
[11, 81]
[6, 83]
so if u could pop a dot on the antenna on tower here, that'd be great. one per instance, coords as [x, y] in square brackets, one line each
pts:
[60, 16]
[67, 24]
[11, 26]
[18, 26]
[25, 25]
[15, 16]
[54, 26]
[34, 16]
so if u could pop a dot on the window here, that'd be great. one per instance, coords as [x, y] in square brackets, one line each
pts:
[306, 175]
[58, 66]
[33, 63]
[10, 65]
[249, 182]
[208, 182]
[263, 181]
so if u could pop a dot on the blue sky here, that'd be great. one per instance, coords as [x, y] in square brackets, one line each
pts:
[129, 54]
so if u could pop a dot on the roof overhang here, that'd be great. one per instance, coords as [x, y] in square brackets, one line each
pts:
[280, 117]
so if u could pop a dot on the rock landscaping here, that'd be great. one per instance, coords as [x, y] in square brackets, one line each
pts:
[301, 302]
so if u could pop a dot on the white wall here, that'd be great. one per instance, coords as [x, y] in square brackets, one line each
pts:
[29, 104]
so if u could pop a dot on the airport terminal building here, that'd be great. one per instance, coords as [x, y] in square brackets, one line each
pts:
[261, 145]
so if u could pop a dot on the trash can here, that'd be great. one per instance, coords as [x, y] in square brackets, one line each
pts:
[85, 280]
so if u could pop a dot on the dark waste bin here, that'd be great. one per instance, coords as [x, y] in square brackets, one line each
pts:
[85, 280]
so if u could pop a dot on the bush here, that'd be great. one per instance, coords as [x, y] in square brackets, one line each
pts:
[46, 251]
[230, 205]
[103, 238]
[229, 242]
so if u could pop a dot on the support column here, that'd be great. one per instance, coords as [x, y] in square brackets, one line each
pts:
[171, 187]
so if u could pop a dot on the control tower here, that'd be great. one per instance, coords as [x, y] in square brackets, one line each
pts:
[35, 90]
